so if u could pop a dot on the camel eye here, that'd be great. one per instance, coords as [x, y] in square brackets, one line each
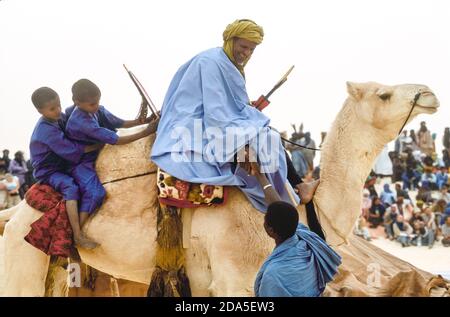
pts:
[385, 96]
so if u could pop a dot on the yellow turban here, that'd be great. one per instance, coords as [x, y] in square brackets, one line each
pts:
[245, 29]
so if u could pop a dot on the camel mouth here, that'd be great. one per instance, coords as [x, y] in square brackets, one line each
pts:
[428, 102]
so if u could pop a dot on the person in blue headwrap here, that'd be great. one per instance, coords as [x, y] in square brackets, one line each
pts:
[301, 263]
[387, 196]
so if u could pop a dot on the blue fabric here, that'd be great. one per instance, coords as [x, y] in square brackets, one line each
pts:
[387, 196]
[299, 162]
[208, 94]
[90, 128]
[441, 179]
[64, 184]
[85, 128]
[300, 266]
[91, 189]
[51, 150]
[105, 118]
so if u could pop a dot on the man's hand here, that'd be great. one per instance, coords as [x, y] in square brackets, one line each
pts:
[249, 158]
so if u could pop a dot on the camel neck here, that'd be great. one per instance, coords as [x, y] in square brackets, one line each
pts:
[350, 150]
[348, 154]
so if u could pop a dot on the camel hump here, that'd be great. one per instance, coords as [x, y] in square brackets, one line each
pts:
[117, 162]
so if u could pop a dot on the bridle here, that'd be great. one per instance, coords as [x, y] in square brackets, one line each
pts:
[414, 103]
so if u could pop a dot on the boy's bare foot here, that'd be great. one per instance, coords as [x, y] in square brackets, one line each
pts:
[85, 243]
[306, 191]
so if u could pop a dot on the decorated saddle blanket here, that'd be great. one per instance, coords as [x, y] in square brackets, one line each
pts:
[178, 193]
[51, 233]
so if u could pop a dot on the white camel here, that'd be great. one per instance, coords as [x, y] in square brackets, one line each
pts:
[228, 243]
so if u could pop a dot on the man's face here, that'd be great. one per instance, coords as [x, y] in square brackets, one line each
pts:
[242, 50]
[51, 110]
[5, 152]
[90, 105]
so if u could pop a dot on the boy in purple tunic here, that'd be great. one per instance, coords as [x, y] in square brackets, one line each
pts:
[51, 151]
[90, 123]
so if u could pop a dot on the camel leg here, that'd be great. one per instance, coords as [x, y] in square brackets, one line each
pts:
[25, 266]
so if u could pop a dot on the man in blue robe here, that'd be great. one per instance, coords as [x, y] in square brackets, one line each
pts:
[207, 120]
[51, 152]
[90, 123]
[301, 263]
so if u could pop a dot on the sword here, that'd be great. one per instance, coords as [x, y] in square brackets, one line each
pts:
[144, 95]
[263, 101]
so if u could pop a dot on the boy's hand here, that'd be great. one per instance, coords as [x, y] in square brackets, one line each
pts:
[143, 112]
[152, 127]
[152, 117]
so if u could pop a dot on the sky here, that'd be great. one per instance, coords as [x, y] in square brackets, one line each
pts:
[56, 42]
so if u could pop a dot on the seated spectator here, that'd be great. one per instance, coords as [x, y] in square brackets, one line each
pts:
[420, 204]
[439, 210]
[446, 214]
[429, 220]
[370, 184]
[410, 178]
[417, 216]
[401, 192]
[423, 235]
[387, 196]
[444, 194]
[428, 178]
[446, 158]
[428, 161]
[376, 213]
[366, 203]
[18, 167]
[389, 218]
[404, 208]
[445, 229]
[424, 194]
[361, 229]
[402, 231]
[397, 169]
[12, 186]
[441, 177]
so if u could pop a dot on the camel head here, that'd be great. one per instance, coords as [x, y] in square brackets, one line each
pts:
[386, 108]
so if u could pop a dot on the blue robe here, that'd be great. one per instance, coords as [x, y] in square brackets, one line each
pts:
[300, 266]
[87, 129]
[51, 152]
[207, 97]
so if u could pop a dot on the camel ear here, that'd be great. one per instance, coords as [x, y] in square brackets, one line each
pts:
[354, 90]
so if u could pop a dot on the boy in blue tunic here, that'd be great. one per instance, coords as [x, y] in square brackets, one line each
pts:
[90, 123]
[50, 153]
